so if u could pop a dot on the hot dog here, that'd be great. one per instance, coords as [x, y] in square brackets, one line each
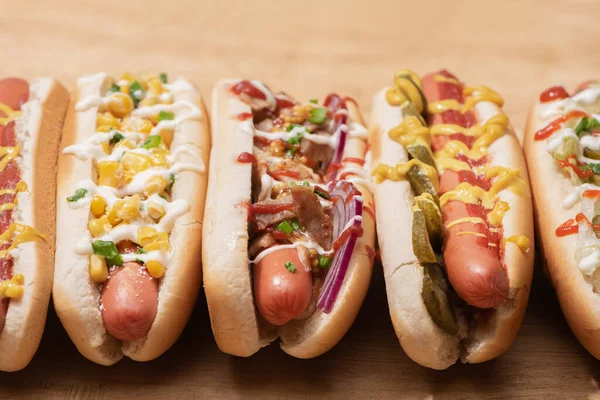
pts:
[31, 117]
[561, 145]
[132, 182]
[288, 231]
[458, 277]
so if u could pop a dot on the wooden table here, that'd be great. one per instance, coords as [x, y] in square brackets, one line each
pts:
[311, 48]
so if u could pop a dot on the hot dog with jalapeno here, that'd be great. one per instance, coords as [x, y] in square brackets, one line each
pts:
[562, 145]
[289, 227]
[132, 181]
[447, 164]
[31, 117]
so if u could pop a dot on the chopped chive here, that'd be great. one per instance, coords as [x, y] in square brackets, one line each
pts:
[79, 193]
[314, 101]
[108, 250]
[290, 266]
[295, 225]
[163, 77]
[324, 262]
[114, 88]
[165, 116]
[318, 115]
[322, 193]
[151, 141]
[285, 227]
[116, 138]
[136, 92]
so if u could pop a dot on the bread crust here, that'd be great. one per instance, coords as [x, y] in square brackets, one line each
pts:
[420, 338]
[580, 305]
[227, 273]
[38, 130]
[78, 309]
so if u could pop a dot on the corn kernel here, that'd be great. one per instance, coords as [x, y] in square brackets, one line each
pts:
[99, 226]
[112, 217]
[127, 76]
[136, 124]
[98, 269]
[159, 157]
[155, 185]
[125, 143]
[98, 206]
[107, 120]
[155, 211]
[128, 208]
[146, 235]
[110, 173]
[155, 85]
[136, 162]
[155, 269]
[120, 104]
[149, 100]
[105, 148]
[161, 245]
[166, 136]
[14, 291]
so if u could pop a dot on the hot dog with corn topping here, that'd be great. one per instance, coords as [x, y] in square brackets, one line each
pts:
[31, 117]
[132, 180]
[445, 158]
[289, 231]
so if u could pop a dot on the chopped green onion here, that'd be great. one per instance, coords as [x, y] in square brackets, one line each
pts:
[322, 193]
[108, 250]
[318, 115]
[136, 92]
[285, 227]
[114, 88]
[290, 266]
[79, 193]
[290, 152]
[295, 139]
[324, 262]
[593, 166]
[166, 116]
[306, 183]
[163, 77]
[292, 126]
[295, 225]
[292, 183]
[139, 260]
[152, 141]
[141, 250]
[171, 182]
[314, 101]
[117, 137]
[586, 124]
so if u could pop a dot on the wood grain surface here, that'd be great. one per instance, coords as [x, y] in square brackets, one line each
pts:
[310, 48]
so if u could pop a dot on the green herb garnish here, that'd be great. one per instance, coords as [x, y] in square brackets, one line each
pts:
[595, 167]
[318, 115]
[306, 183]
[166, 116]
[152, 141]
[117, 137]
[322, 193]
[171, 182]
[79, 193]
[163, 77]
[295, 225]
[314, 101]
[108, 250]
[290, 266]
[291, 127]
[285, 227]
[136, 92]
[141, 250]
[290, 152]
[295, 139]
[114, 88]
[324, 262]
[586, 124]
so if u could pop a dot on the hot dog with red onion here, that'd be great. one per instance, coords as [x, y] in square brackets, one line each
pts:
[454, 218]
[31, 117]
[132, 183]
[289, 231]
[563, 153]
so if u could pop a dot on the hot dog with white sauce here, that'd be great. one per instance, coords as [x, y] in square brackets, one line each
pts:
[454, 218]
[31, 118]
[289, 227]
[563, 153]
[132, 181]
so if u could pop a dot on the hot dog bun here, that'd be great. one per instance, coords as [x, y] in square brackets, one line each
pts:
[227, 272]
[76, 295]
[38, 131]
[420, 337]
[580, 304]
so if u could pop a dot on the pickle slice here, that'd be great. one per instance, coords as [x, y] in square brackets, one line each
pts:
[420, 183]
[433, 218]
[436, 299]
[591, 153]
[420, 238]
[409, 110]
[421, 153]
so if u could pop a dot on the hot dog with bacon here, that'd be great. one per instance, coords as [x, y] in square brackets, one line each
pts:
[131, 191]
[31, 117]
[454, 218]
[289, 228]
[563, 154]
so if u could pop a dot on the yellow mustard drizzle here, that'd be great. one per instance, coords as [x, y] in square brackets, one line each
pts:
[472, 220]
[451, 164]
[438, 107]
[10, 114]
[18, 233]
[475, 94]
[497, 214]
[442, 78]
[521, 241]
[483, 235]
[411, 131]
[399, 171]
[13, 287]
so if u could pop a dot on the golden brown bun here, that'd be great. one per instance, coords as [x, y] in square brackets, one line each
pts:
[76, 296]
[38, 131]
[420, 338]
[227, 273]
[580, 305]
